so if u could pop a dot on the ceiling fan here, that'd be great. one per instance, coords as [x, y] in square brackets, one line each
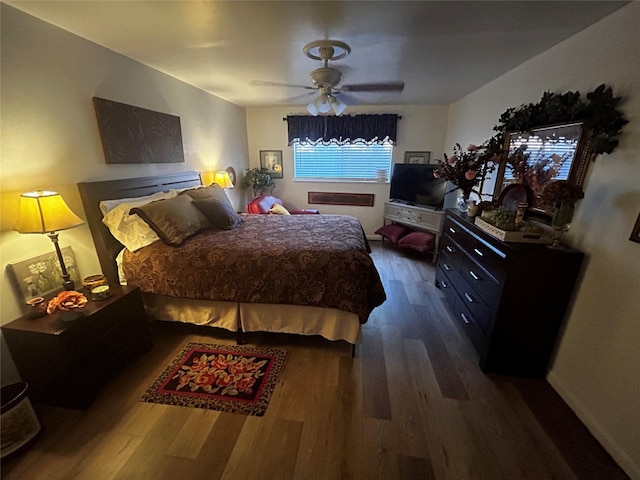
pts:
[325, 79]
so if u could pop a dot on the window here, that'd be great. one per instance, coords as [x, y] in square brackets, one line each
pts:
[355, 162]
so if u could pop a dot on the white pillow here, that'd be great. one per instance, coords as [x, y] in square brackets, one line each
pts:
[130, 230]
[107, 205]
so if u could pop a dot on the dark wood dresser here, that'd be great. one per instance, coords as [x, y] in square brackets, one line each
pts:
[66, 363]
[510, 298]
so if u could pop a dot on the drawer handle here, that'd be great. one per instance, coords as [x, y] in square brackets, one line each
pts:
[473, 275]
[446, 267]
[449, 249]
[478, 252]
[443, 284]
[469, 298]
[465, 319]
[453, 230]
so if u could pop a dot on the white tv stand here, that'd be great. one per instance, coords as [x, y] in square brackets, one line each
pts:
[421, 218]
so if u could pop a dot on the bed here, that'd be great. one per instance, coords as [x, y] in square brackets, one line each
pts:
[301, 274]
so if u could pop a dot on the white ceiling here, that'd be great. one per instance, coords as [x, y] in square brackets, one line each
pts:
[441, 50]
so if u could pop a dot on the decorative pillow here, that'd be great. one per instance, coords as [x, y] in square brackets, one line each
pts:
[278, 209]
[107, 205]
[393, 232]
[219, 213]
[202, 193]
[420, 241]
[130, 230]
[174, 220]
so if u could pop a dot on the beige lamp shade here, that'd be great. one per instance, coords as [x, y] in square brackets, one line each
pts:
[44, 211]
[222, 178]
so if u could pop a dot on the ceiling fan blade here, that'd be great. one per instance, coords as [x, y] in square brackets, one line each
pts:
[346, 98]
[298, 97]
[374, 87]
[266, 83]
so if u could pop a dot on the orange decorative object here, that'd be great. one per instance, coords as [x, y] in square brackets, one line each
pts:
[67, 301]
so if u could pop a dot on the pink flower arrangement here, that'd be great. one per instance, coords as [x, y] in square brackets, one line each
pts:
[466, 169]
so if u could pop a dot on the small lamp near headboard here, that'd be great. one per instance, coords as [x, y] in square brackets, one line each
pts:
[42, 212]
[222, 178]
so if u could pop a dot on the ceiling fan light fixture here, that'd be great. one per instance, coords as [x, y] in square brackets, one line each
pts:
[338, 106]
[323, 104]
[312, 109]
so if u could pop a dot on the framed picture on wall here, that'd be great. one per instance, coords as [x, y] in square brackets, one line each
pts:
[272, 161]
[417, 157]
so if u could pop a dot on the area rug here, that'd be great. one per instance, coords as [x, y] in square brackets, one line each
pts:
[229, 378]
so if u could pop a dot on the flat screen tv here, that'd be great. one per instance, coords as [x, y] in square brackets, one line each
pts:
[414, 184]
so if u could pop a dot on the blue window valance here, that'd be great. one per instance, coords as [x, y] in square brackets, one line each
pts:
[344, 129]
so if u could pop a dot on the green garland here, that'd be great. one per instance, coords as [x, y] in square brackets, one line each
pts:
[598, 113]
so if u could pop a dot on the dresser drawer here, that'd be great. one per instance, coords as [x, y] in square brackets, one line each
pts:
[455, 232]
[451, 252]
[446, 285]
[490, 258]
[482, 281]
[448, 267]
[481, 311]
[470, 325]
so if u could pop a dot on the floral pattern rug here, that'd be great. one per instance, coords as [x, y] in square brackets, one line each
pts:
[229, 378]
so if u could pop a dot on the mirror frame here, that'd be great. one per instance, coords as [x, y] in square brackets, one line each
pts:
[577, 172]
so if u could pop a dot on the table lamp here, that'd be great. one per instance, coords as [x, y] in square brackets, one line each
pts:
[222, 178]
[44, 211]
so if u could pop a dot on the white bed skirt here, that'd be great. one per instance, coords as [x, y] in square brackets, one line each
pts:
[329, 323]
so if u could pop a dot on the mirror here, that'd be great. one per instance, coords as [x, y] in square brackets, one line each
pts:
[539, 157]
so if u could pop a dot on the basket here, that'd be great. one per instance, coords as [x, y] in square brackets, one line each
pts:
[19, 421]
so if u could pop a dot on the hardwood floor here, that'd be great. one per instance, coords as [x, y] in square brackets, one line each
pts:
[412, 404]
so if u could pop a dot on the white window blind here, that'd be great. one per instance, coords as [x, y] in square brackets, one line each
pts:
[356, 162]
[540, 150]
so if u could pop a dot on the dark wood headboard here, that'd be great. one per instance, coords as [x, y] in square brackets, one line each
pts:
[92, 193]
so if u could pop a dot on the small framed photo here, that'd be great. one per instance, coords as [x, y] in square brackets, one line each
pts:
[417, 157]
[40, 276]
[272, 161]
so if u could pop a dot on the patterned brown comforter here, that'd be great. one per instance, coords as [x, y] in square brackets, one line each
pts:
[315, 260]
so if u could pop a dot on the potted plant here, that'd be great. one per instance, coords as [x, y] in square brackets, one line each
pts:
[563, 195]
[258, 180]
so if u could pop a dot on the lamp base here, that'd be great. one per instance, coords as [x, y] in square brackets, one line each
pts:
[68, 284]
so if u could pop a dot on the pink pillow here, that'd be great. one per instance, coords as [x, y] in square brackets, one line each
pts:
[393, 232]
[420, 241]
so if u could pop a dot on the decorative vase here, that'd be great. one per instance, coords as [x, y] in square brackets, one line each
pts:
[463, 202]
[562, 216]
[474, 209]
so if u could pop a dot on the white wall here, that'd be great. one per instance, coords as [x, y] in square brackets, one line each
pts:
[422, 128]
[597, 365]
[50, 135]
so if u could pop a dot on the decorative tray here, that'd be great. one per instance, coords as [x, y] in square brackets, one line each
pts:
[509, 236]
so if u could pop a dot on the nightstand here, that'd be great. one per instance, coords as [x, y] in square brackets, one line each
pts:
[66, 363]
